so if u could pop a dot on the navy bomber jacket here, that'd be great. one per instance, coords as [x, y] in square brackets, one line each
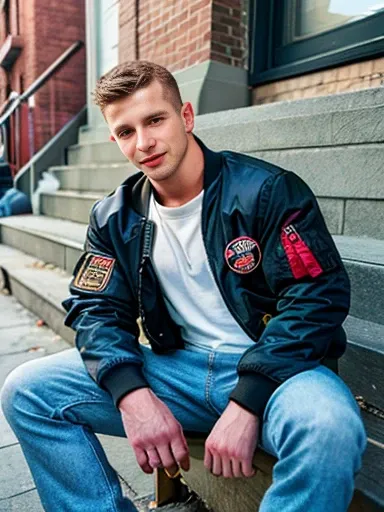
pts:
[270, 253]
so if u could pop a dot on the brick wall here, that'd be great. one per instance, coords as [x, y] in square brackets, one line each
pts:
[349, 77]
[48, 28]
[229, 32]
[180, 33]
[58, 25]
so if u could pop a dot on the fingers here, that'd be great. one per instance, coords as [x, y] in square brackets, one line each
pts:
[212, 462]
[142, 460]
[226, 467]
[168, 456]
[216, 465]
[208, 459]
[220, 464]
[167, 459]
[236, 468]
[180, 451]
[154, 458]
[247, 468]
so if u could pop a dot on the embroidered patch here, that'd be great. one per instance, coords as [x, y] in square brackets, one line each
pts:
[94, 273]
[300, 257]
[243, 255]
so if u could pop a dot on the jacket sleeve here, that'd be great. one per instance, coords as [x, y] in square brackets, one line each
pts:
[305, 273]
[103, 312]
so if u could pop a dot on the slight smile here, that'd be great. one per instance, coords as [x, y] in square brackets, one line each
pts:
[153, 160]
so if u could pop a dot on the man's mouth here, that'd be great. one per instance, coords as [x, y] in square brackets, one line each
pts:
[153, 160]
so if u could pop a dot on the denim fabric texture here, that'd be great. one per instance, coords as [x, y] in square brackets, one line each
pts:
[311, 424]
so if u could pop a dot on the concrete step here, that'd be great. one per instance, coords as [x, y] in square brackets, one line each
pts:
[98, 152]
[61, 243]
[348, 181]
[248, 133]
[92, 177]
[327, 170]
[361, 126]
[51, 282]
[353, 171]
[68, 204]
[342, 104]
[364, 261]
[40, 288]
[52, 240]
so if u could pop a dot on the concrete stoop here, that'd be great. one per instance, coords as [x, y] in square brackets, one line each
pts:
[41, 287]
[60, 242]
[334, 143]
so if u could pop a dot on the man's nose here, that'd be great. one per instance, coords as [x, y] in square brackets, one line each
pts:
[144, 141]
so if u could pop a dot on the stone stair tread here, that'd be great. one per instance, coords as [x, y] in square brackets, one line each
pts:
[52, 284]
[347, 101]
[366, 333]
[353, 249]
[64, 231]
[360, 249]
[74, 194]
[91, 165]
[47, 282]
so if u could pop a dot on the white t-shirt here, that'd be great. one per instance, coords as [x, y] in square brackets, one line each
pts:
[191, 294]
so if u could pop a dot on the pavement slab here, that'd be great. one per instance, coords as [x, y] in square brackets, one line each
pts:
[22, 340]
[15, 477]
[12, 314]
[24, 502]
[7, 437]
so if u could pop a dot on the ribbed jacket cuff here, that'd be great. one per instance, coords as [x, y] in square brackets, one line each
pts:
[253, 392]
[122, 380]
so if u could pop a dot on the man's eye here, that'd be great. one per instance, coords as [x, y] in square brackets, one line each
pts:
[125, 133]
[156, 120]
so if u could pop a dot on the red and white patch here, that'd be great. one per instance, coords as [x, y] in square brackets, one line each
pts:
[243, 255]
[95, 273]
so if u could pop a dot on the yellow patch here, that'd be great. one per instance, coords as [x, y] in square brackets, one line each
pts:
[95, 273]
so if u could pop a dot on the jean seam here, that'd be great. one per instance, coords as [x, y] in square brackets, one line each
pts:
[209, 382]
[60, 410]
[111, 495]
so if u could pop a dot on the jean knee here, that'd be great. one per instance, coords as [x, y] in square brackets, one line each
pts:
[338, 433]
[19, 388]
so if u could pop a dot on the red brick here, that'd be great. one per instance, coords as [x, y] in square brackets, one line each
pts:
[169, 28]
[41, 26]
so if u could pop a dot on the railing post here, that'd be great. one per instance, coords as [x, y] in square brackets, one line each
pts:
[31, 127]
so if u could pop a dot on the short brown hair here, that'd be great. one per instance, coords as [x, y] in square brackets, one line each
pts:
[126, 78]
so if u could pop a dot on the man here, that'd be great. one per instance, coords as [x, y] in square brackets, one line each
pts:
[241, 293]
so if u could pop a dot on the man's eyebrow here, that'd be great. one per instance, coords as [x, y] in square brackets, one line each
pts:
[147, 118]
[159, 113]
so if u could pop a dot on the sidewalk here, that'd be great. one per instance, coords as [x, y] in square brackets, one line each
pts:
[20, 341]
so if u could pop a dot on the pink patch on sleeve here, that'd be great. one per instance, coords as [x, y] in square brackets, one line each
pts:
[300, 257]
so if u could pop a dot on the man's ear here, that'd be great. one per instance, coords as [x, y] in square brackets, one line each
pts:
[112, 138]
[188, 116]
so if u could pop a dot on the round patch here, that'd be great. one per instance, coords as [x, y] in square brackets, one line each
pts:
[243, 255]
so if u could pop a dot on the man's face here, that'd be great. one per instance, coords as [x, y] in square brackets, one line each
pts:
[149, 130]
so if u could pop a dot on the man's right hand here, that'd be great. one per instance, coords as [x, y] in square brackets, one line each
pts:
[155, 435]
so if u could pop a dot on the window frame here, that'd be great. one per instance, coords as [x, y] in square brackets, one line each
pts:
[270, 59]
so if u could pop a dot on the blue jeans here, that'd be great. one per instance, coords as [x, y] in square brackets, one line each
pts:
[311, 424]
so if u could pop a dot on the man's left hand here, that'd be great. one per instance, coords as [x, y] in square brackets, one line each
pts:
[230, 447]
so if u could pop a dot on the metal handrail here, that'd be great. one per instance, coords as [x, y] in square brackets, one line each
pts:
[35, 86]
[39, 82]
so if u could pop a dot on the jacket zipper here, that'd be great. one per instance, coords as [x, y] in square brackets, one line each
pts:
[144, 256]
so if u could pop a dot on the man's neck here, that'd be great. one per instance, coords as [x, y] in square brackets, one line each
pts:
[187, 183]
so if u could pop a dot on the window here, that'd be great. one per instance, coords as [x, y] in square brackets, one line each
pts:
[291, 37]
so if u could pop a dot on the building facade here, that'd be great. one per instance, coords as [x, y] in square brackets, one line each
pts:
[234, 53]
[32, 36]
